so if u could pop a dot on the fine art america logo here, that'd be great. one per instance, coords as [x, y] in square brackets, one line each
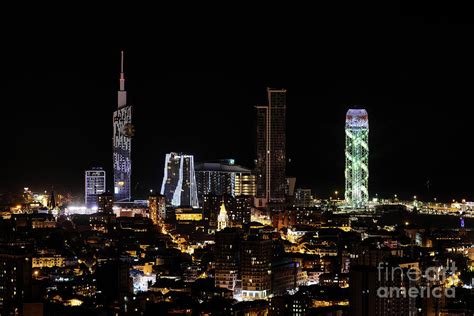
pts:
[412, 282]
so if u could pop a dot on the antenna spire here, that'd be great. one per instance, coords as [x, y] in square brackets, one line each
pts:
[121, 63]
[122, 94]
[122, 74]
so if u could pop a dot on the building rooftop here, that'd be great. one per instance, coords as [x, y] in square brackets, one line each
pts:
[221, 166]
[357, 118]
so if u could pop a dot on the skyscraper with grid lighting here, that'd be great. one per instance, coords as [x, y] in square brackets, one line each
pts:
[271, 147]
[122, 144]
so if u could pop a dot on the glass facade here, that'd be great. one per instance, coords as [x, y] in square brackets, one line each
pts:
[179, 180]
[222, 178]
[271, 147]
[94, 186]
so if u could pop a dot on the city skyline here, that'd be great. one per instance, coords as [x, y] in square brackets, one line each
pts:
[409, 173]
[314, 164]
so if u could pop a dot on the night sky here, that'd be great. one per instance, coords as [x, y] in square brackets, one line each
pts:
[196, 95]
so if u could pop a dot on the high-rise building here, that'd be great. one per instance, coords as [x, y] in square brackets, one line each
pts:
[357, 158]
[15, 277]
[284, 276]
[157, 207]
[227, 258]
[256, 266]
[271, 147]
[179, 180]
[122, 144]
[303, 197]
[105, 203]
[245, 184]
[94, 186]
[153, 208]
[223, 177]
[113, 280]
[240, 210]
[367, 280]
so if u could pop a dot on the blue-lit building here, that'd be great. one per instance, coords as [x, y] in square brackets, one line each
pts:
[95, 184]
[122, 144]
[179, 180]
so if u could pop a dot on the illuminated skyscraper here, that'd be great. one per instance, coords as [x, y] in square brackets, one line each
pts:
[357, 158]
[224, 177]
[271, 147]
[179, 180]
[94, 186]
[122, 143]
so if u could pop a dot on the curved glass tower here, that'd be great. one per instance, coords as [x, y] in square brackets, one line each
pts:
[357, 158]
[179, 180]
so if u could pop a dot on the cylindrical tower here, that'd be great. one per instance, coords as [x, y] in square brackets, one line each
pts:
[357, 158]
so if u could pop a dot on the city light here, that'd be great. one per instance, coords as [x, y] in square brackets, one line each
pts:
[263, 238]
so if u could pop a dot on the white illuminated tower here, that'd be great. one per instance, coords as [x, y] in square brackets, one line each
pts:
[357, 158]
[122, 143]
[179, 180]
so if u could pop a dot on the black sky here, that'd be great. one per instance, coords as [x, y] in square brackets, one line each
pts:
[413, 75]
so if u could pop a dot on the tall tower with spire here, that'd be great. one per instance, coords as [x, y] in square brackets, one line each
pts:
[122, 143]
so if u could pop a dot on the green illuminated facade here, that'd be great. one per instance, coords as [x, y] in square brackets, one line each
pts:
[357, 158]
